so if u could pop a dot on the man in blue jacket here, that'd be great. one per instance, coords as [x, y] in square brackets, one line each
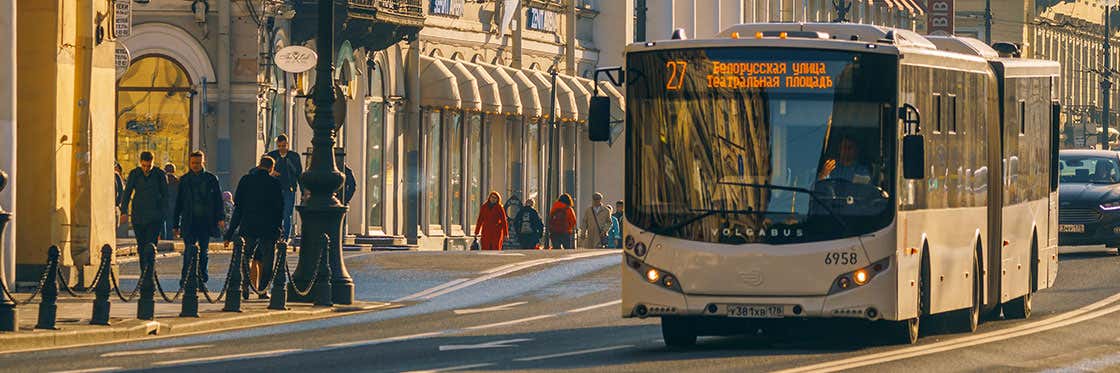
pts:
[199, 213]
[288, 169]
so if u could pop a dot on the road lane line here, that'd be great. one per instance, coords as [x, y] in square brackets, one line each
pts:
[1072, 317]
[402, 338]
[574, 353]
[234, 357]
[91, 370]
[169, 350]
[432, 289]
[511, 322]
[504, 307]
[594, 307]
[454, 368]
[515, 268]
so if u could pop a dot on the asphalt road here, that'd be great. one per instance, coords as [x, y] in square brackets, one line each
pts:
[561, 313]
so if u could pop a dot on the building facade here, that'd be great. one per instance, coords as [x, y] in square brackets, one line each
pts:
[62, 57]
[443, 105]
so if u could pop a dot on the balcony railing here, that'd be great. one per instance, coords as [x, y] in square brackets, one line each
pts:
[403, 8]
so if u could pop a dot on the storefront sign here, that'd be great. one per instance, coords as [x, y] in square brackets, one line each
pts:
[122, 18]
[447, 7]
[123, 59]
[940, 13]
[296, 59]
[540, 19]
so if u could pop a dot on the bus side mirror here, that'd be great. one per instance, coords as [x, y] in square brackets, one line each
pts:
[913, 157]
[913, 144]
[599, 119]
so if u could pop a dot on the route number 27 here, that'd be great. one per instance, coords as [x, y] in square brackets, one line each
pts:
[841, 259]
[676, 74]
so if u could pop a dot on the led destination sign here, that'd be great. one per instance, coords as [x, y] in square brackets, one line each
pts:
[812, 75]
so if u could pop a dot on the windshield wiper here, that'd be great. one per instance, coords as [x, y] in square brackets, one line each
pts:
[810, 192]
[703, 213]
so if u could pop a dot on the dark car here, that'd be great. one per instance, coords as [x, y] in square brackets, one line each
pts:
[1089, 198]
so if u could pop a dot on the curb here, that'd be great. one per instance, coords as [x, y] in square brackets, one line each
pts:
[133, 329]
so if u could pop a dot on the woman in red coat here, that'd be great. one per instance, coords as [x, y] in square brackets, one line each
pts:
[492, 223]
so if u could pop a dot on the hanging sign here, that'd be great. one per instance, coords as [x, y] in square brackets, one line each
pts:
[123, 59]
[296, 59]
[941, 14]
[122, 18]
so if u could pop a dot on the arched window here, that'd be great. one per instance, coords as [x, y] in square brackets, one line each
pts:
[154, 101]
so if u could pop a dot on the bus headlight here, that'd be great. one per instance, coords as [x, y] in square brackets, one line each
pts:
[859, 277]
[654, 275]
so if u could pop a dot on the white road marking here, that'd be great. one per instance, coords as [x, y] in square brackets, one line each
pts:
[510, 322]
[1089, 312]
[169, 350]
[234, 357]
[504, 307]
[594, 307]
[495, 344]
[91, 370]
[574, 353]
[507, 269]
[432, 290]
[401, 338]
[454, 368]
[1089, 365]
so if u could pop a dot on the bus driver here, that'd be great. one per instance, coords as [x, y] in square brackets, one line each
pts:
[848, 166]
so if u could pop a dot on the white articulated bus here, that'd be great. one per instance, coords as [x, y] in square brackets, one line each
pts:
[835, 171]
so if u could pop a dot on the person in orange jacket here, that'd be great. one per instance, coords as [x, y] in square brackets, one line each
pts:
[562, 223]
[492, 223]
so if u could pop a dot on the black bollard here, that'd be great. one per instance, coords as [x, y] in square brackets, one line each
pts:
[48, 307]
[323, 282]
[190, 284]
[101, 303]
[146, 305]
[279, 299]
[233, 290]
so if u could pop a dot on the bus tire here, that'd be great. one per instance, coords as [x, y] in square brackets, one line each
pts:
[678, 332]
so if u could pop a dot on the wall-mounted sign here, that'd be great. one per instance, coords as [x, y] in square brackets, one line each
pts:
[122, 18]
[540, 19]
[940, 13]
[296, 59]
[447, 7]
[123, 59]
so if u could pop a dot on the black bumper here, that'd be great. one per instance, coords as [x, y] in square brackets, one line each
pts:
[1099, 232]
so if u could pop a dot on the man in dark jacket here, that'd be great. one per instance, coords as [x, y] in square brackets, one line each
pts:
[288, 169]
[258, 208]
[146, 192]
[199, 213]
[118, 192]
[172, 197]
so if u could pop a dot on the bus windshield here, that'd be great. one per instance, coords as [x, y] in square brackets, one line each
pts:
[760, 145]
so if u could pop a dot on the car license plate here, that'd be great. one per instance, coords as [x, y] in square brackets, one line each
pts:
[1071, 228]
[755, 311]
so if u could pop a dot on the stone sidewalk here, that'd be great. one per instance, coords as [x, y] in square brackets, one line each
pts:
[73, 326]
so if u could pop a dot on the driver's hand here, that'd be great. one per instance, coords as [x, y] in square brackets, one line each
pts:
[827, 169]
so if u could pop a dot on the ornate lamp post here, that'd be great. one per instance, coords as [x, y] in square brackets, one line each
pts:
[322, 213]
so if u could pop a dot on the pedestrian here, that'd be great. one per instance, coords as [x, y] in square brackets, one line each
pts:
[172, 196]
[492, 222]
[258, 207]
[562, 223]
[227, 206]
[346, 192]
[528, 226]
[615, 234]
[619, 214]
[145, 191]
[288, 169]
[118, 183]
[199, 213]
[596, 223]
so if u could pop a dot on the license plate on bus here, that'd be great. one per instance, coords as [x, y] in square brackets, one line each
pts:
[755, 311]
[1071, 228]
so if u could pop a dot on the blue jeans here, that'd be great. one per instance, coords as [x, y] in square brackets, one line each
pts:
[289, 206]
[203, 242]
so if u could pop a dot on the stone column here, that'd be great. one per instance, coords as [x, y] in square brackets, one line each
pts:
[8, 133]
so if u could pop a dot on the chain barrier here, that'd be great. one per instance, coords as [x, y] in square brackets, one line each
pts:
[310, 284]
[64, 284]
[246, 269]
[162, 294]
[117, 288]
[38, 289]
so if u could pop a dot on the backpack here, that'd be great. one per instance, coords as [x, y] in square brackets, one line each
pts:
[558, 221]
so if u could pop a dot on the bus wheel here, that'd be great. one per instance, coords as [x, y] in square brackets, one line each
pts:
[905, 331]
[1020, 308]
[967, 320]
[678, 331]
